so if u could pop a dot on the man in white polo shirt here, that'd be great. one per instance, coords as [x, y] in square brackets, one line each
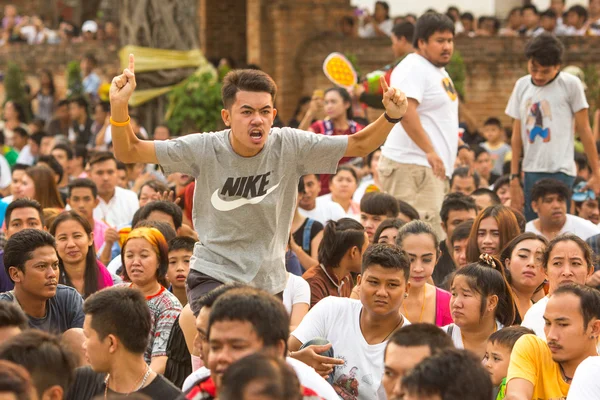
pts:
[419, 154]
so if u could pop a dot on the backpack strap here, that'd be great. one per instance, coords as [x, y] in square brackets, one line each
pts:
[450, 330]
[306, 234]
[327, 127]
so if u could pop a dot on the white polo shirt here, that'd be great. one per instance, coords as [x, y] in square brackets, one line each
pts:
[119, 210]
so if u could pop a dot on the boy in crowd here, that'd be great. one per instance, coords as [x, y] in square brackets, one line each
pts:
[181, 250]
[485, 198]
[497, 354]
[547, 106]
[357, 330]
[484, 166]
[459, 241]
[464, 181]
[311, 206]
[374, 208]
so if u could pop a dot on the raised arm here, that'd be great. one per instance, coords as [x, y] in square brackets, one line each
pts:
[517, 200]
[128, 148]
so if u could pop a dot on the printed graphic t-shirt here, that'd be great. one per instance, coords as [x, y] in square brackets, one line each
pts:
[547, 116]
[243, 206]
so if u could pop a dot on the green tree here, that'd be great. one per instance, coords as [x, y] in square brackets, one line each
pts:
[14, 87]
[458, 72]
[74, 83]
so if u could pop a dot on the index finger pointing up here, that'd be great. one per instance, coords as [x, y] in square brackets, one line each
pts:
[131, 63]
[384, 84]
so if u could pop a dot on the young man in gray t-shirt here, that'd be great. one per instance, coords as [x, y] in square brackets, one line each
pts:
[246, 176]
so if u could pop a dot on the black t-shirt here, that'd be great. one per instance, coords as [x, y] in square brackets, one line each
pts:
[444, 267]
[314, 231]
[89, 384]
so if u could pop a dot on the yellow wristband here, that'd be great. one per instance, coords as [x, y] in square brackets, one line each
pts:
[115, 123]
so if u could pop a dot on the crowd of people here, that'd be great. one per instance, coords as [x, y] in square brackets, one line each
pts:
[334, 258]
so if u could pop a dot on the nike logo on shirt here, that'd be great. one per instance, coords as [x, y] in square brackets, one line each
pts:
[251, 189]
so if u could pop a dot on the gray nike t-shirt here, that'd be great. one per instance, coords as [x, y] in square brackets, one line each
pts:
[243, 206]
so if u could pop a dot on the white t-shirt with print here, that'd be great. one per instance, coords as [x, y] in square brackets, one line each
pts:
[585, 384]
[574, 224]
[534, 318]
[296, 291]
[324, 211]
[337, 319]
[433, 89]
[547, 116]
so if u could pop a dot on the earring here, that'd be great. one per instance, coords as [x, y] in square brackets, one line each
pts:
[405, 295]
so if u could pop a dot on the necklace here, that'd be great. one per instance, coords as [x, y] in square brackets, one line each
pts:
[565, 377]
[143, 379]
[393, 330]
[422, 307]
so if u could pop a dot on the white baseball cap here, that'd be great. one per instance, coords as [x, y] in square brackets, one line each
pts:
[89, 26]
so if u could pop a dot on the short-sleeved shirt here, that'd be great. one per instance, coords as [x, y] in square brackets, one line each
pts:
[243, 206]
[576, 225]
[323, 283]
[547, 122]
[164, 309]
[301, 234]
[531, 360]
[433, 89]
[119, 210]
[586, 384]
[63, 311]
[498, 155]
[297, 291]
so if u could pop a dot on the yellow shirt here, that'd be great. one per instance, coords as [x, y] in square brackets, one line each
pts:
[531, 360]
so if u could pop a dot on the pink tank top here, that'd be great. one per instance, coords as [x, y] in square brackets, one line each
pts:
[442, 308]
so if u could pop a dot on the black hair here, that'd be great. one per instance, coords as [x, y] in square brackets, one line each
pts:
[19, 109]
[502, 181]
[430, 23]
[19, 167]
[487, 281]
[48, 361]
[20, 247]
[23, 203]
[250, 79]
[16, 380]
[66, 148]
[80, 150]
[102, 156]
[493, 121]
[80, 101]
[91, 58]
[11, 315]
[508, 336]
[63, 102]
[339, 237]
[305, 99]
[111, 307]
[421, 334]
[346, 19]
[277, 379]
[510, 248]
[417, 228]
[155, 185]
[408, 210]
[549, 13]
[90, 275]
[370, 156]
[530, 7]
[582, 162]
[388, 257]
[451, 374]
[589, 298]
[165, 207]
[468, 16]
[106, 107]
[462, 231]
[83, 183]
[208, 299]
[182, 243]
[386, 224]
[456, 202]
[580, 11]
[545, 49]
[385, 6]
[345, 99]
[479, 150]
[465, 172]
[588, 253]
[53, 164]
[37, 137]
[547, 186]
[167, 230]
[21, 132]
[377, 203]
[264, 312]
[346, 168]
[487, 192]
[404, 30]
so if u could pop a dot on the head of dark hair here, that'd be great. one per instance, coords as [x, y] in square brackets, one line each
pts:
[19, 109]
[83, 183]
[247, 80]
[346, 168]
[467, 16]
[580, 11]
[80, 101]
[53, 164]
[404, 30]
[102, 156]
[465, 172]
[120, 166]
[48, 361]
[264, 312]
[530, 7]
[461, 232]
[346, 99]
[20, 247]
[508, 250]
[503, 180]
[23, 203]
[80, 151]
[166, 207]
[589, 298]
[408, 210]
[487, 192]
[388, 257]
[547, 186]
[452, 373]
[21, 132]
[417, 227]
[508, 336]
[456, 202]
[386, 224]
[305, 99]
[105, 105]
[62, 103]
[549, 13]
[508, 227]
[588, 253]
[488, 281]
[110, 307]
[66, 148]
[182, 243]
[16, 380]
[545, 49]
[90, 275]
[91, 59]
[208, 299]
[278, 379]
[422, 334]
[377, 203]
[12, 315]
[370, 156]
[493, 121]
[339, 237]
[479, 150]
[167, 230]
[430, 23]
